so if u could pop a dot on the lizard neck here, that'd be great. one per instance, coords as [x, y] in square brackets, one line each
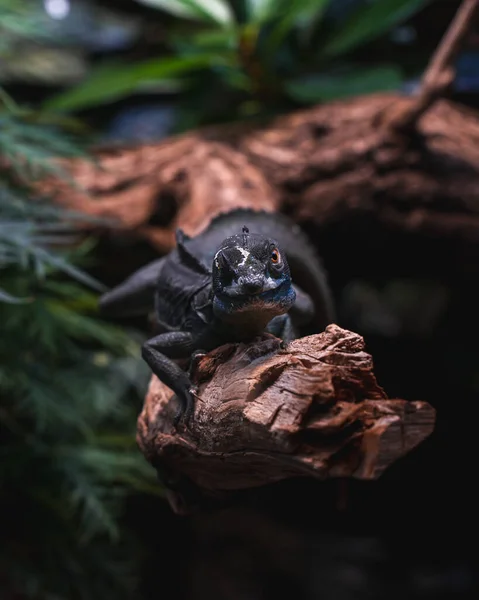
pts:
[249, 318]
[245, 325]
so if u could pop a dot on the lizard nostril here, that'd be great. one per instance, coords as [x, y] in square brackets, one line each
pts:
[252, 286]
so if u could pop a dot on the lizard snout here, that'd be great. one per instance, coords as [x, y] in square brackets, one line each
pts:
[250, 285]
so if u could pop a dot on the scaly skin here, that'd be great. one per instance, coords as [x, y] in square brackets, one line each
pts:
[228, 284]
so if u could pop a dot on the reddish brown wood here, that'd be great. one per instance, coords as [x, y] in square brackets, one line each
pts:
[264, 414]
[321, 165]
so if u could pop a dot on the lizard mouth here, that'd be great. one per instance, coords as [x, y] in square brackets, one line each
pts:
[272, 300]
[242, 295]
[252, 289]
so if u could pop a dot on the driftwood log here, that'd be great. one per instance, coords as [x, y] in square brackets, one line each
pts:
[265, 413]
[321, 165]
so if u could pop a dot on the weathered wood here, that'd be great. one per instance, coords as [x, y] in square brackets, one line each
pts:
[265, 413]
[322, 165]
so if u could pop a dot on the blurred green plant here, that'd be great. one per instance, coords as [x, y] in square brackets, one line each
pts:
[70, 390]
[16, 20]
[230, 60]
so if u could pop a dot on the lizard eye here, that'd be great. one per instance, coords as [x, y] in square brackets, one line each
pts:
[275, 256]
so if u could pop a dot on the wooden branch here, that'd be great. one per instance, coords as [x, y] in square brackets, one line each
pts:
[198, 179]
[439, 73]
[264, 414]
[324, 166]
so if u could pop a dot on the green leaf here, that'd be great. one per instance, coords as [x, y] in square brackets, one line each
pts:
[218, 11]
[323, 88]
[369, 22]
[112, 82]
[290, 14]
[5, 297]
[61, 264]
[175, 7]
[216, 39]
[260, 10]
[266, 10]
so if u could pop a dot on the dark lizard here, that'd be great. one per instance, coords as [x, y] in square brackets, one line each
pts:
[230, 283]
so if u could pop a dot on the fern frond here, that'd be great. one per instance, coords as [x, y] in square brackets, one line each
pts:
[70, 383]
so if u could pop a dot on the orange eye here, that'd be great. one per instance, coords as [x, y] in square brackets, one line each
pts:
[275, 256]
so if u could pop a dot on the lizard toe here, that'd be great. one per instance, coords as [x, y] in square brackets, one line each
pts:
[186, 408]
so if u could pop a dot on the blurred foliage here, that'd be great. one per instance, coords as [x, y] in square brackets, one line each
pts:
[47, 41]
[252, 58]
[70, 386]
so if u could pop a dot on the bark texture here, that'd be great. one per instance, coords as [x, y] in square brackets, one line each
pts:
[264, 413]
[321, 165]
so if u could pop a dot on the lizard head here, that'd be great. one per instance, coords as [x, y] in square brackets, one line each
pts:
[251, 277]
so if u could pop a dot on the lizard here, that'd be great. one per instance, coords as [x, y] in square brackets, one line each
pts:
[230, 283]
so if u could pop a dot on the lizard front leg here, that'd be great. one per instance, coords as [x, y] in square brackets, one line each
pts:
[158, 352]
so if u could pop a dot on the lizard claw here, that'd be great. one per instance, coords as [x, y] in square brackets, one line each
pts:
[187, 405]
[194, 360]
[194, 390]
[190, 406]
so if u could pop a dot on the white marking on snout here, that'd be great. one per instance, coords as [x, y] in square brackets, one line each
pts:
[244, 253]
